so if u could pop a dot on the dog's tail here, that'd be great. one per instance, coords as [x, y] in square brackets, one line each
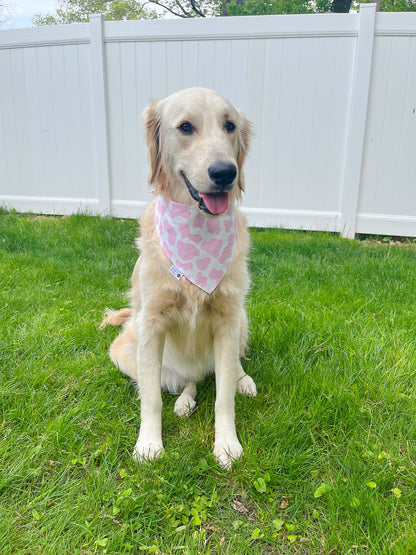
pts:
[116, 317]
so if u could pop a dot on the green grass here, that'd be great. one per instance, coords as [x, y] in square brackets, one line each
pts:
[330, 453]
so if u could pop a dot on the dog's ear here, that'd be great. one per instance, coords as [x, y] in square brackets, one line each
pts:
[152, 119]
[243, 143]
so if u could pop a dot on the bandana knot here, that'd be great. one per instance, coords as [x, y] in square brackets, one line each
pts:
[199, 246]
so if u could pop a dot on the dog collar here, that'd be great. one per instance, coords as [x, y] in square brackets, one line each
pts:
[199, 246]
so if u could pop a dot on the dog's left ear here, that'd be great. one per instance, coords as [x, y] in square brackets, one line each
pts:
[244, 129]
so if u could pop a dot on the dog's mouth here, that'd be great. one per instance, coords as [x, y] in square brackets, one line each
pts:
[210, 203]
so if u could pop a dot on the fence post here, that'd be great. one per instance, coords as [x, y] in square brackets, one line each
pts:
[100, 114]
[358, 119]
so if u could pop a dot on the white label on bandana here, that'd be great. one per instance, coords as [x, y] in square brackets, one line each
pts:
[199, 246]
[175, 272]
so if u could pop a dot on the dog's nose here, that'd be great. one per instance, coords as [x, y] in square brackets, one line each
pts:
[222, 173]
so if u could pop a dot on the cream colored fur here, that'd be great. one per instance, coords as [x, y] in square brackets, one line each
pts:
[175, 333]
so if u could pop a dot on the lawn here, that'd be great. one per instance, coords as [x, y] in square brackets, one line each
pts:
[330, 452]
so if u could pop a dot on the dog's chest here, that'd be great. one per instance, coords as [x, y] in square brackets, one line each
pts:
[189, 345]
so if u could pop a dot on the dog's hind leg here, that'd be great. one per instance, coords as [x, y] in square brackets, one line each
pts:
[186, 403]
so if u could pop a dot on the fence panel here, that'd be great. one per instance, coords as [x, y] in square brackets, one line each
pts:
[387, 202]
[47, 145]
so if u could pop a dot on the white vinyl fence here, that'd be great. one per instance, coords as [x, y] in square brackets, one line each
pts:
[332, 99]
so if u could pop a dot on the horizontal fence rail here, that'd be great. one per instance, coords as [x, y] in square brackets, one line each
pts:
[332, 99]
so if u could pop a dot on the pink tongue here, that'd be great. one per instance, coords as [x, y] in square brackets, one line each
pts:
[217, 203]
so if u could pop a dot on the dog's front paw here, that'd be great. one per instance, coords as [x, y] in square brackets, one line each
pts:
[227, 452]
[147, 450]
[246, 386]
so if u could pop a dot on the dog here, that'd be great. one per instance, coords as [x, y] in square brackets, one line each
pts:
[187, 317]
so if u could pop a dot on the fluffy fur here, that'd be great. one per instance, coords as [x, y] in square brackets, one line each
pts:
[175, 334]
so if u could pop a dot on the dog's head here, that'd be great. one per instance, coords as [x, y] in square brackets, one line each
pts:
[197, 144]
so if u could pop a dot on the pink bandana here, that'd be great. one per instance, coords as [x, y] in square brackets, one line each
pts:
[199, 246]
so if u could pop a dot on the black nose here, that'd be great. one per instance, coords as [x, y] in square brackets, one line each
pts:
[222, 173]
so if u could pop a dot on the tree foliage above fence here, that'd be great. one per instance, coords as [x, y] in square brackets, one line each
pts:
[223, 8]
[204, 8]
[78, 11]
[72, 11]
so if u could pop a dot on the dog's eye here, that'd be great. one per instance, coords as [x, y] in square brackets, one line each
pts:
[229, 126]
[186, 128]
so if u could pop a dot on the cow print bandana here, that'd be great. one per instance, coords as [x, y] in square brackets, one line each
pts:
[199, 246]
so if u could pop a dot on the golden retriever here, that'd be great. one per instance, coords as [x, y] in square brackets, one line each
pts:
[175, 332]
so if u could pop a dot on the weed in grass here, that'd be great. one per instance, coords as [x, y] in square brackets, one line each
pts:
[329, 464]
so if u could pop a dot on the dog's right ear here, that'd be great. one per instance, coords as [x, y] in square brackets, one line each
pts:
[152, 119]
